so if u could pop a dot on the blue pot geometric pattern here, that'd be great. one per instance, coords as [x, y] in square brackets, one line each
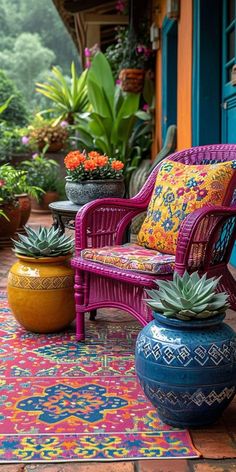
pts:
[187, 369]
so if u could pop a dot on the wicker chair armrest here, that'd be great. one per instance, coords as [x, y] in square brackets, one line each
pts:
[103, 222]
[206, 238]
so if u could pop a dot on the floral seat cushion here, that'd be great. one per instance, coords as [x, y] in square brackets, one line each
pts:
[180, 190]
[132, 257]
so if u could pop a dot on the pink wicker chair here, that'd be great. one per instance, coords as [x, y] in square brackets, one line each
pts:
[205, 242]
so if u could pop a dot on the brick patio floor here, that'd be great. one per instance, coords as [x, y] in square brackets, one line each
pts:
[217, 444]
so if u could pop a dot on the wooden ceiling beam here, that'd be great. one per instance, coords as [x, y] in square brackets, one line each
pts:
[76, 6]
[96, 19]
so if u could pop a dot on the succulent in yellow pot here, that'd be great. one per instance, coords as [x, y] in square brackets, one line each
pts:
[41, 283]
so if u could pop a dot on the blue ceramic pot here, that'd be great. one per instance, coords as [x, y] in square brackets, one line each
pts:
[187, 369]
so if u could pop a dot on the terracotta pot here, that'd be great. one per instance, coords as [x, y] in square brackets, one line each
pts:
[25, 208]
[41, 293]
[9, 227]
[42, 206]
[132, 80]
[53, 147]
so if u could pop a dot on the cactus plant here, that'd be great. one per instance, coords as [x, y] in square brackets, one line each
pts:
[187, 298]
[43, 242]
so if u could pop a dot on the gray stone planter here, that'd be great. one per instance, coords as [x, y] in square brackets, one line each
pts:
[89, 190]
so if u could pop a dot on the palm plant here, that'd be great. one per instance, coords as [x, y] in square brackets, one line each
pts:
[67, 100]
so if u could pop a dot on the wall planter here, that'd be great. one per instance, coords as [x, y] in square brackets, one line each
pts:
[187, 369]
[88, 190]
[132, 80]
[41, 294]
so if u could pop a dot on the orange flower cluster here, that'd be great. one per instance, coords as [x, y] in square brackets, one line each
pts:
[117, 165]
[81, 166]
[74, 159]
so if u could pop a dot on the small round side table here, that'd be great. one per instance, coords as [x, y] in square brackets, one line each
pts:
[64, 214]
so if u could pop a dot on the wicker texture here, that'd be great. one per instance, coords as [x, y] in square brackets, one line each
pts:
[205, 241]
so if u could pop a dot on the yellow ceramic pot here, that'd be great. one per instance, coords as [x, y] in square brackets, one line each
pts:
[41, 294]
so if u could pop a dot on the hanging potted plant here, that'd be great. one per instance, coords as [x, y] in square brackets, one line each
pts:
[136, 56]
[41, 284]
[185, 357]
[91, 176]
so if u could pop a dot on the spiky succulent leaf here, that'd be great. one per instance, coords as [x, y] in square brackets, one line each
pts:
[188, 297]
[43, 242]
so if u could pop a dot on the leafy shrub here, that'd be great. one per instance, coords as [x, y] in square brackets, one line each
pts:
[10, 142]
[16, 112]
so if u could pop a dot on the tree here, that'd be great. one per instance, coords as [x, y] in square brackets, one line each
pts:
[28, 59]
[15, 113]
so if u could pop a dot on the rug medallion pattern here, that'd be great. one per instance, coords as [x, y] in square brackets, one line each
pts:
[66, 401]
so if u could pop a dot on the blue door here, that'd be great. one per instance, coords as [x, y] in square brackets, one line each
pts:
[228, 89]
[228, 63]
[169, 74]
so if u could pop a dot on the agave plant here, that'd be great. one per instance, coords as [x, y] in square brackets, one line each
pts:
[67, 99]
[188, 297]
[43, 242]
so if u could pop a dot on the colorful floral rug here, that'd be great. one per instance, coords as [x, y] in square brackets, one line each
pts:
[66, 401]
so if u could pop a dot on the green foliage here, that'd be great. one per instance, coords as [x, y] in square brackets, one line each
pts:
[33, 37]
[42, 172]
[130, 50]
[7, 194]
[26, 61]
[16, 180]
[10, 142]
[188, 298]
[108, 128]
[67, 99]
[43, 242]
[15, 113]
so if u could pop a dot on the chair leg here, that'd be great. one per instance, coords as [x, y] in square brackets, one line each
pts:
[80, 333]
[79, 300]
[93, 315]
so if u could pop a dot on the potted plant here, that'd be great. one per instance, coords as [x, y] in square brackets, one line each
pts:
[52, 136]
[45, 174]
[40, 285]
[9, 208]
[91, 176]
[17, 181]
[185, 357]
[135, 58]
[67, 99]
[110, 126]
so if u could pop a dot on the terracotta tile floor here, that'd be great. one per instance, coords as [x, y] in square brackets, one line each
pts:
[217, 444]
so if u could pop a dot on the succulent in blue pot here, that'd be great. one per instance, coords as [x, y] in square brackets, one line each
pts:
[185, 357]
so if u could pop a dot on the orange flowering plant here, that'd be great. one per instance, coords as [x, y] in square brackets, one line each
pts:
[92, 166]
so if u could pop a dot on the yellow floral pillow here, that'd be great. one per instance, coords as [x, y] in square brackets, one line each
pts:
[179, 190]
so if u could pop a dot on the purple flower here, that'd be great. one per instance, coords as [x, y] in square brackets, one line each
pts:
[25, 140]
[140, 48]
[64, 124]
[120, 6]
[145, 107]
[35, 155]
[87, 52]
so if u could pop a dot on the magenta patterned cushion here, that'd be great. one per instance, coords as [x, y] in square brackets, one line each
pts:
[132, 257]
